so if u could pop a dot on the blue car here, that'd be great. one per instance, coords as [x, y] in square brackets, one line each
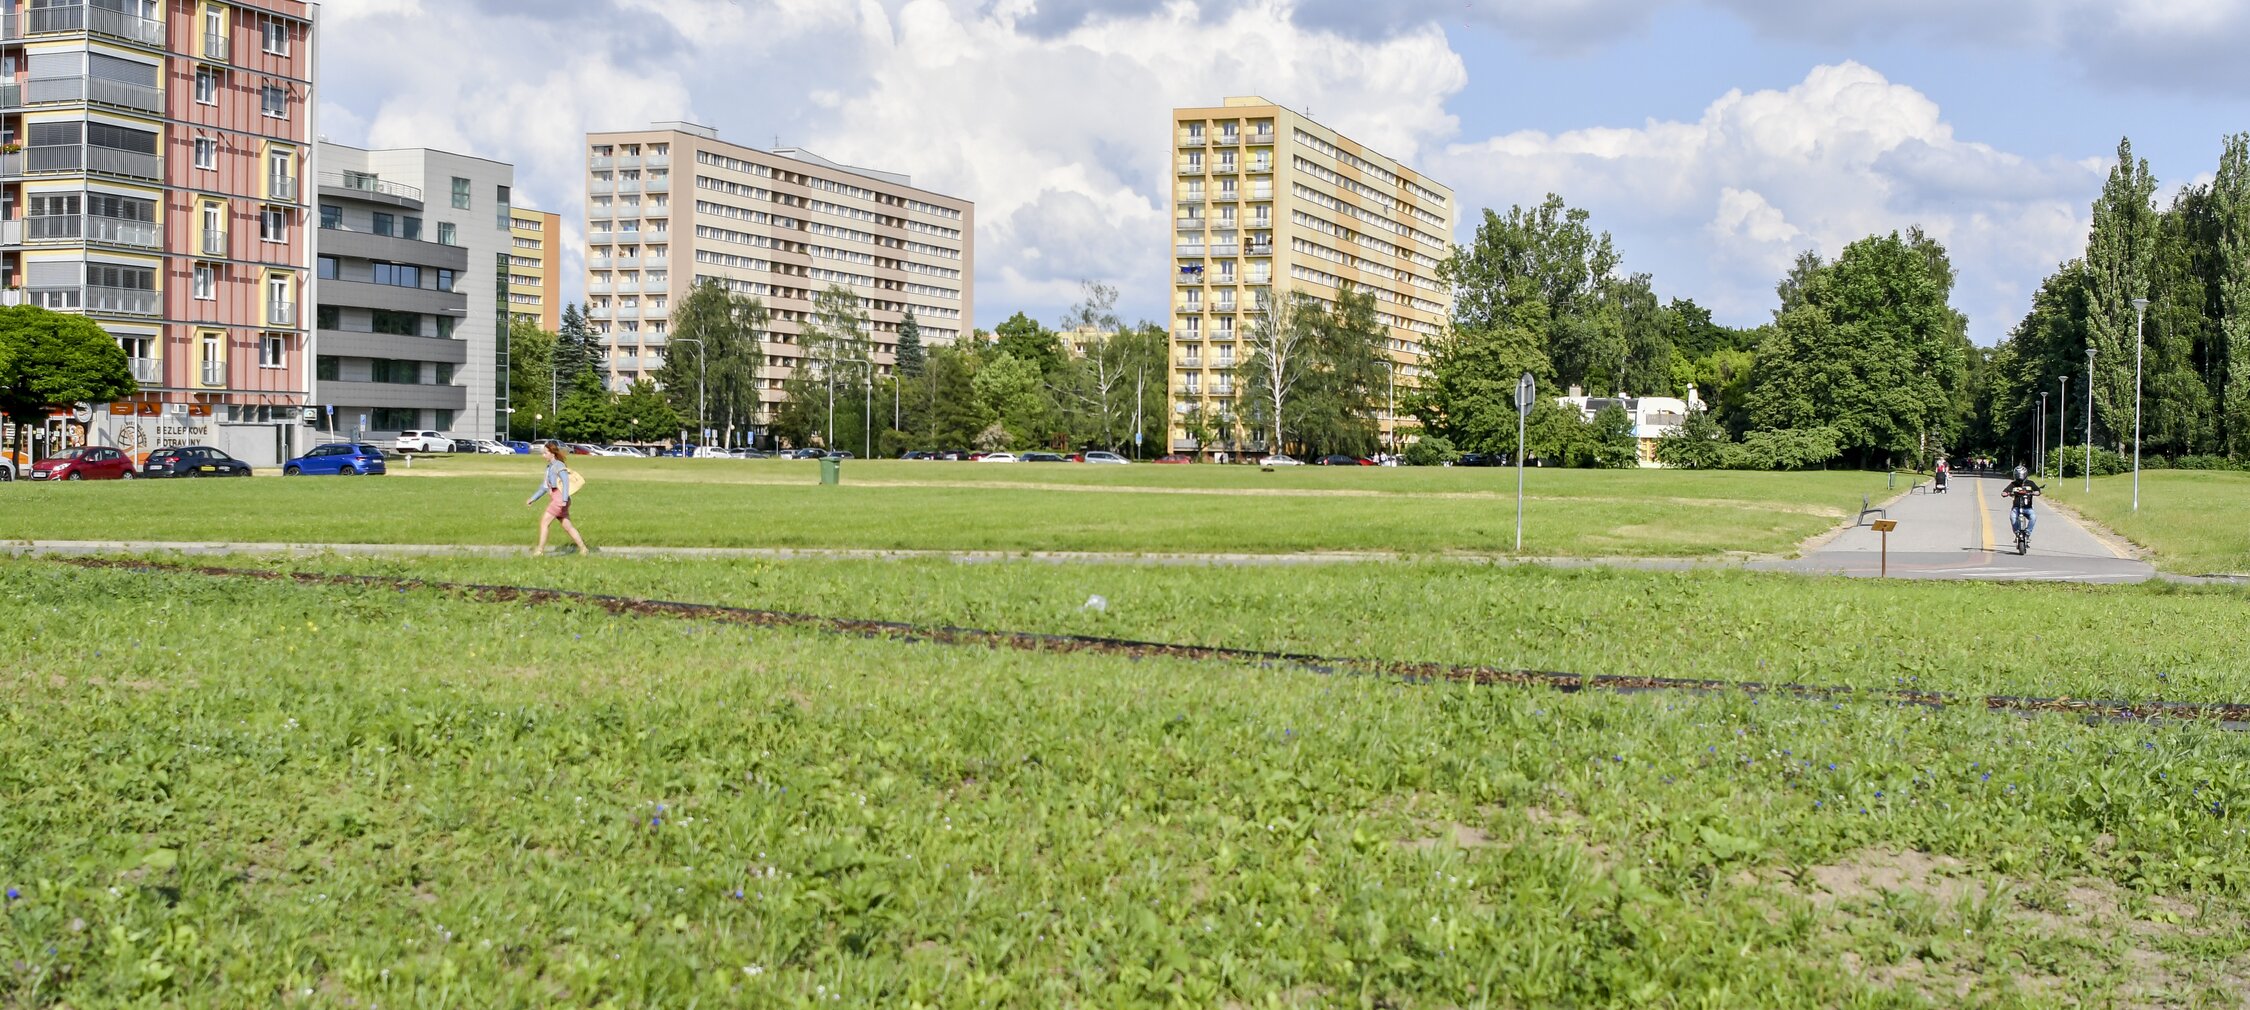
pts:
[521, 448]
[347, 459]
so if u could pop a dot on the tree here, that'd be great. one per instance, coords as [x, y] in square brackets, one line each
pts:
[578, 351]
[1699, 443]
[531, 358]
[1347, 379]
[589, 412]
[910, 356]
[2119, 251]
[1610, 440]
[645, 415]
[1023, 339]
[1278, 339]
[957, 414]
[1098, 389]
[726, 378]
[1550, 246]
[836, 349]
[2229, 374]
[1014, 394]
[50, 360]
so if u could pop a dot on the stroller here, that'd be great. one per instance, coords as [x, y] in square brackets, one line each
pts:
[1937, 484]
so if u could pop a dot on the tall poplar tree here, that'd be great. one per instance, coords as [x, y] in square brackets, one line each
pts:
[2119, 253]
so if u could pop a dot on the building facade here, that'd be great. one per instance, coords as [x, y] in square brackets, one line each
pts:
[151, 179]
[1265, 202]
[535, 268]
[669, 206]
[390, 310]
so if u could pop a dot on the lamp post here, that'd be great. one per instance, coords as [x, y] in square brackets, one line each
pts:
[2089, 417]
[2140, 316]
[700, 406]
[2039, 441]
[2062, 426]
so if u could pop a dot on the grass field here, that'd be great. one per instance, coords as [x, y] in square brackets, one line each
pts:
[246, 793]
[2193, 522]
[2115, 643]
[962, 506]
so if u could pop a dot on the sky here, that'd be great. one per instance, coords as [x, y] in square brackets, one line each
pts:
[1714, 139]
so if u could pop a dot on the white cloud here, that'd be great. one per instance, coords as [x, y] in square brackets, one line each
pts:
[1716, 208]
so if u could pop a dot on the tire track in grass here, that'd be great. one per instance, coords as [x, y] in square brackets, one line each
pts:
[2225, 715]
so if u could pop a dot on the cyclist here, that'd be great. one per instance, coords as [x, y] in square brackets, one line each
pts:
[2021, 491]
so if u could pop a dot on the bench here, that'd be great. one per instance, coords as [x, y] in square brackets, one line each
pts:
[1867, 507]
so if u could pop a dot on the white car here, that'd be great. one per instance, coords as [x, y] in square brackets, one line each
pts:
[1099, 456]
[486, 446]
[1280, 460]
[999, 457]
[422, 441]
[7, 470]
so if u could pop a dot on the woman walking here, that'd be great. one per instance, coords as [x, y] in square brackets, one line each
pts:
[557, 489]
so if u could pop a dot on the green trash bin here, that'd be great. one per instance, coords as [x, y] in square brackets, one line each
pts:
[831, 470]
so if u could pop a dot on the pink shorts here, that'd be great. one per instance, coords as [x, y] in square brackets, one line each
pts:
[558, 506]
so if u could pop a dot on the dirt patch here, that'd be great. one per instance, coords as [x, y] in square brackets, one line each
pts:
[1455, 834]
[1871, 874]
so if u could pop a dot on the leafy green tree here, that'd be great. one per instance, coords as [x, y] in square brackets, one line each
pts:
[727, 376]
[1431, 450]
[1551, 246]
[531, 357]
[1023, 339]
[1014, 394]
[1280, 344]
[958, 415]
[1557, 435]
[50, 360]
[589, 412]
[1347, 381]
[2230, 378]
[837, 347]
[1780, 449]
[1699, 443]
[911, 357]
[2119, 253]
[1610, 441]
[578, 351]
[1467, 392]
[645, 415]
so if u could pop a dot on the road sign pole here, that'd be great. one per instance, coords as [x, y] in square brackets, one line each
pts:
[1527, 390]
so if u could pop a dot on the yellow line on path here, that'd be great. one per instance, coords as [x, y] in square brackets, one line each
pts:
[1984, 514]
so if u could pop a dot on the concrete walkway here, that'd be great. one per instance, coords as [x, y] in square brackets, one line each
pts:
[1965, 534]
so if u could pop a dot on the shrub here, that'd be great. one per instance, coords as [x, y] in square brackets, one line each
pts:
[2070, 461]
[1784, 449]
[2206, 463]
[1431, 450]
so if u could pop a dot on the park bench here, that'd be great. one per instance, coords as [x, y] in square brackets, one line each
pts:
[1867, 507]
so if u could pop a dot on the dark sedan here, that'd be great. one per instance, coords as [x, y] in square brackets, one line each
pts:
[193, 461]
[1342, 461]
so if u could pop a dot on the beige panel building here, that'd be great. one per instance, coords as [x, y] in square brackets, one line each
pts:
[1266, 201]
[535, 268]
[674, 203]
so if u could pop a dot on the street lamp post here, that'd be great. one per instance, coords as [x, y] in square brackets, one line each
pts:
[2062, 426]
[701, 406]
[2089, 417]
[2140, 316]
[2039, 441]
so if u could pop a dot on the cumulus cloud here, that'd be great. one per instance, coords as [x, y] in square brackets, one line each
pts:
[1717, 208]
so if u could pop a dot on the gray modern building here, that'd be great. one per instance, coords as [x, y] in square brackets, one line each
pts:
[463, 205]
[390, 354]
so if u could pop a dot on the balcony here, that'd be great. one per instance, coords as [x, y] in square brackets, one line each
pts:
[82, 18]
[1187, 335]
[371, 186]
[1192, 168]
[1227, 196]
[11, 93]
[282, 187]
[1259, 224]
[281, 313]
[1224, 224]
[600, 238]
[1191, 363]
[1186, 249]
[628, 287]
[657, 185]
[104, 160]
[1260, 168]
[215, 46]
[597, 288]
[600, 163]
[11, 233]
[597, 312]
[629, 161]
[1224, 308]
[1194, 199]
[1263, 191]
[1190, 224]
[626, 262]
[628, 185]
[11, 27]
[147, 371]
[1257, 138]
[214, 242]
[96, 298]
[122, 231]
[1193, 140]
[657, 210]
[11, 165]
[1228, 140]
[214, 373]
[1225, 249]
[1258, 249]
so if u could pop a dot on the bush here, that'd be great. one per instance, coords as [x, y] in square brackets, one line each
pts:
[2070, 461]
[1784, 449]
[1431, 450]
[2206, 463]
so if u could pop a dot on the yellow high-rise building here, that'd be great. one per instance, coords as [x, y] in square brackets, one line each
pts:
[1266, 202]
[534, 275]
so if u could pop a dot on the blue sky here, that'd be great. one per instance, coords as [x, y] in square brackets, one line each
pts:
[1714, 138]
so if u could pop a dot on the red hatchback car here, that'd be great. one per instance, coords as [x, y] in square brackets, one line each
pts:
[89, 462]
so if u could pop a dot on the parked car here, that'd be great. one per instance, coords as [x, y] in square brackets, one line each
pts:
[997, 457]
[1103, 456]
[345, 459]
[1044, 457]
[1280, 460]
[7, 470]
[495, 448]
[917, 454]
[952, 455]
[1342, 460]
[840, 454]
[462, 445]
[422, 441]
[193, 461]
[1482, 459]
[88, 462]
[519, 447]
[1174, 458]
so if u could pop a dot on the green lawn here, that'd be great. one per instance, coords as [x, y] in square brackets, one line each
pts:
[962, 506]
[225, 794]
[2193, 522]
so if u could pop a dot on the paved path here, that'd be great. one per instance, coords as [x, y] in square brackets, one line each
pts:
[1964, 534]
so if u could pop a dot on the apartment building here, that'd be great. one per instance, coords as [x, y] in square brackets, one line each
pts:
[534, 268]
[780, 225]
[150, 180]
[1266, 201]
[391, 307]
[465, 203]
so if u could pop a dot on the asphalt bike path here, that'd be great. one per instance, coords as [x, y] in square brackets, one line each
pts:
[1965, 533]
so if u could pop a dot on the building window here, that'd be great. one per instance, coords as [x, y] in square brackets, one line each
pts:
[405, 373]
[404, 275]
[445, 279]
[329, 317]
[445, 326]
[331, 216]
[206, 282]
[274, 102]
[277, 38]
[327, 367]
[447, 234]
[442, 420]
[410, 227]
[206, 153]
[385, 224]
[328, 268]
[397, 324]
[273, 225]
[397, 419]
[460, 193]
[503, 208]
[273, 351]
[206, 86]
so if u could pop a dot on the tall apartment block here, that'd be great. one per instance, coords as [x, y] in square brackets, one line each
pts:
[780, 225]
[1266, 201]
[433, 198]
[535, 268]
[151, 180]
[389, 310]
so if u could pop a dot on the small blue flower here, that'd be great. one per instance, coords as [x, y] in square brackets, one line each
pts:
[656, 822]
[14, 894]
